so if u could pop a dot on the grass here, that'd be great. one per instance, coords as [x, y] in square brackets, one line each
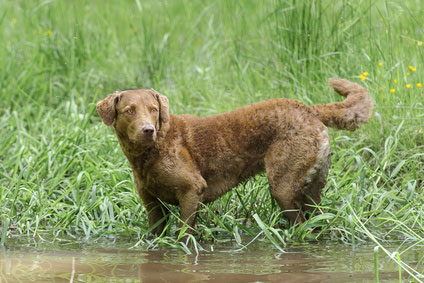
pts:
[62, 172]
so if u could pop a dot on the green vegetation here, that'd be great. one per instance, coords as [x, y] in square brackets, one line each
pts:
[62, 172]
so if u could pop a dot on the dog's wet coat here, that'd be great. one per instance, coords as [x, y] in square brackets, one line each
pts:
[185, 160]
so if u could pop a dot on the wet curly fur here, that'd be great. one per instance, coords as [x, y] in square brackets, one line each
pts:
[186, 160]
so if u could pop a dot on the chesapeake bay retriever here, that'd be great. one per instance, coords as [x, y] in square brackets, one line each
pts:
[185, 160]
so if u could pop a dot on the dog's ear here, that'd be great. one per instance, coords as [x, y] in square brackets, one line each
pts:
[107, 108]
[163, 111]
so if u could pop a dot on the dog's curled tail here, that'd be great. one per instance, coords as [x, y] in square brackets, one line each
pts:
[355, 110]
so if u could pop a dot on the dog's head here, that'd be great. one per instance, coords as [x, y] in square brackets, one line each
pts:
[137, 115]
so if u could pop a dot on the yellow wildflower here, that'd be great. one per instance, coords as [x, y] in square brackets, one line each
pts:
[395, 81]
[419, 85]
[380, 64]
[14, 21]
[408, 85]
[412, 68]
[365, 74]
[49, 32]
[419, 43]
[362, 78]
[392, 90]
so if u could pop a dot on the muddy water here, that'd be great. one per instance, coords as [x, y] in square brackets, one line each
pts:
[111, 262]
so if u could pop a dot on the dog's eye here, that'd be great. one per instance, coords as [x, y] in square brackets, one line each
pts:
[129, 111]
[154, 110]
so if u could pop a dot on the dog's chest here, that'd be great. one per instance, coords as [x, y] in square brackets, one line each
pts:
[162, 179]
[158, 186]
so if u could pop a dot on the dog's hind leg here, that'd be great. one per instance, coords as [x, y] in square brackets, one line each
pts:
[287, 164]
[314, 184]
[316, 176]
[289, 197]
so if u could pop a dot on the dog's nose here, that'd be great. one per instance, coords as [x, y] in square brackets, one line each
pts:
[148, 129]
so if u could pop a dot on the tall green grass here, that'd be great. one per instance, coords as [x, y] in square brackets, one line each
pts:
[62, 172]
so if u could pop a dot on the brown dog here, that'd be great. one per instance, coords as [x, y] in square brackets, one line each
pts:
[185, 160]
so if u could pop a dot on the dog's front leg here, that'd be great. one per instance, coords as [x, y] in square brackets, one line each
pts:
[189, 201]
[154, 211]
[189, 204]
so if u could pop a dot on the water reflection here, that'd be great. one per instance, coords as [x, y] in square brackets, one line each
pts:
[305, 263]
